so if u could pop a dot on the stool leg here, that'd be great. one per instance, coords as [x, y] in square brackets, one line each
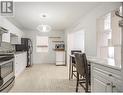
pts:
[77, 83]
[72, 73]
[86, 84]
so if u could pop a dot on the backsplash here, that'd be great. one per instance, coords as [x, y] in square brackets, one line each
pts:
[6, 46]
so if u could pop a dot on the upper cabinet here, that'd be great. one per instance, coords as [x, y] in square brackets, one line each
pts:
[12, 29]
[6, 37]
[15, 39]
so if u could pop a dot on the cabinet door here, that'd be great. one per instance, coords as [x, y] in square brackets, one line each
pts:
[100, 86]
[117, 85]
[60, 56]
[20, 63]
[16, 65]
[6, 37]
[15, 40]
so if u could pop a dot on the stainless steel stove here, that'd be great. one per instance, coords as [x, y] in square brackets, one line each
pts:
[7, 71]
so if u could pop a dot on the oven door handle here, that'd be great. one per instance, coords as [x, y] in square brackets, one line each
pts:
[7, 61]
[12, 79]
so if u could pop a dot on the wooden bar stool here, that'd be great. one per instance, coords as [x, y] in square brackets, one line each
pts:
[82, 70]
[73, 69]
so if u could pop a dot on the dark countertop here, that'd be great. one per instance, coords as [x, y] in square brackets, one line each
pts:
[19, 52]
[59, 49]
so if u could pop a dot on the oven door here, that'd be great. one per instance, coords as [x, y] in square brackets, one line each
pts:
[7, 71]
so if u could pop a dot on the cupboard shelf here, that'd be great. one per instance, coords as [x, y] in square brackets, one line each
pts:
[42, 46]
[54, 37]
[57, 41]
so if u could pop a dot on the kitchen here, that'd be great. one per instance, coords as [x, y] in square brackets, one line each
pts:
[39, 37]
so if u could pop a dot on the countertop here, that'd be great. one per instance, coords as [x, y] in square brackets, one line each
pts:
[105, 62]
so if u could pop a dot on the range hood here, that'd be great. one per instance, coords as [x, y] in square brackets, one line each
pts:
[3, 30]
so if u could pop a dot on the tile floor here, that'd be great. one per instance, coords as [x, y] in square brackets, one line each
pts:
[44, 78]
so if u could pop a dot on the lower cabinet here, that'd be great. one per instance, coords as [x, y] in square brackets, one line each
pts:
[60, 57]
[105, 79]
[101, 86]
[20, 63]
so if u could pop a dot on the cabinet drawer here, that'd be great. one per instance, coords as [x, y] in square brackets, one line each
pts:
[97, 73]
[108, 71]
[101, 85]
[105, 80]
[117, 85]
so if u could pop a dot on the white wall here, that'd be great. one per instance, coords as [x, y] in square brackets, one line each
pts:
[76, 40]
[43, 57]
[88, 23]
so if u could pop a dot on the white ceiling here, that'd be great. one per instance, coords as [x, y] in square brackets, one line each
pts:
[60, 15]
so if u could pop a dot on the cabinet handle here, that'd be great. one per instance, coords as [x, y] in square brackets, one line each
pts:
[110, 74]
[113, 86]
[108, 84]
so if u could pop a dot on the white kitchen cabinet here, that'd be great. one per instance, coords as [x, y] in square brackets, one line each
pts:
[15, 40]
[20, 63]
[101, 86]
[105, 79]
[11, 28]
[6, 37]
[60, 57]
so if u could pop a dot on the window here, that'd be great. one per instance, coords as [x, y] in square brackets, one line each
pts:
[107, 22]
[108, 35]
[111, 52]
[42, 44]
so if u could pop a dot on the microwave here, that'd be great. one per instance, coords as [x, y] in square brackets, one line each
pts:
[59, 46]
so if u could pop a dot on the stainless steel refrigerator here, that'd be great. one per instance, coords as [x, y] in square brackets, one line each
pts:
[26, 45]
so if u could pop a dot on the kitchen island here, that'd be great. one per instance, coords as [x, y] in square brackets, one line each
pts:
[105, 75]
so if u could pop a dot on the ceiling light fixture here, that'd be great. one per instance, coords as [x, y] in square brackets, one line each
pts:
[44, 28]
[44, 15]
